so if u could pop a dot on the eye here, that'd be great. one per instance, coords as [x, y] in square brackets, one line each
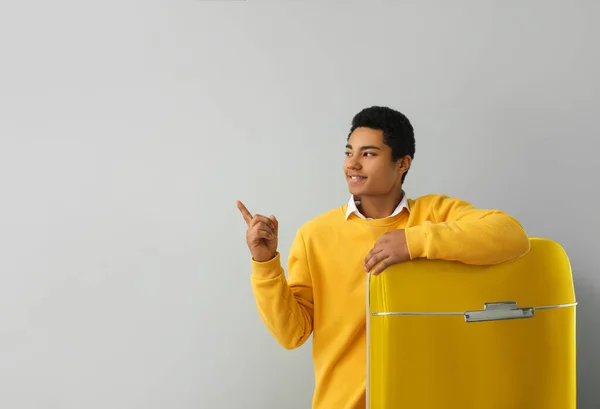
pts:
[348, 153]
[370, 154]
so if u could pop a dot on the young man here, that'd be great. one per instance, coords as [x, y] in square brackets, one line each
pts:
[325, 292]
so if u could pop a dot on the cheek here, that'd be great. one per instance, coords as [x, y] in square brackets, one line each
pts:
[385, 176]
[382, 171]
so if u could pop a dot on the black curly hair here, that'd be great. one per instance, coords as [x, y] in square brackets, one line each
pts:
[398, 133]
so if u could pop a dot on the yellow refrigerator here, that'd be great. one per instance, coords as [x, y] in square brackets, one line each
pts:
[446, 335]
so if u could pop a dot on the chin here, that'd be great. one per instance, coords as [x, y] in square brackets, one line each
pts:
[356, 191]
[360, 188]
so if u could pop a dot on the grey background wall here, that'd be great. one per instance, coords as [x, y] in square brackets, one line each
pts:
[128, 130]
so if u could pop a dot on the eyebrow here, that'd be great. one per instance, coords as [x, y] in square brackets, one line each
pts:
[364, 148]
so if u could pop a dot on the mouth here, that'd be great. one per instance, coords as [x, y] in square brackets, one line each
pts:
[356, 178]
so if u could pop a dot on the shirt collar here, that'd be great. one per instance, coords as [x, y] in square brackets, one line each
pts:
[353, 207]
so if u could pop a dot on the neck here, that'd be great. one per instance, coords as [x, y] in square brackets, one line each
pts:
[379, 207]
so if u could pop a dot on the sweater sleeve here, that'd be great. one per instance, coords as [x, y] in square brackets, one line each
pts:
[460, 232]
[285, 305]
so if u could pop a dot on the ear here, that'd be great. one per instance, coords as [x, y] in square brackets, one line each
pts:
[404, 163]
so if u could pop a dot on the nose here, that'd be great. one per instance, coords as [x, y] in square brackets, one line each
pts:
[352, 163]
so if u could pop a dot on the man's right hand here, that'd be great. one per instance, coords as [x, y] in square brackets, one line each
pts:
[261, 236]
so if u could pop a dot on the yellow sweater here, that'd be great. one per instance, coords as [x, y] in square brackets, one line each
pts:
[324, 294]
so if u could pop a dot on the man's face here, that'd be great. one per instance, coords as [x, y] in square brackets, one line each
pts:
[368, 166]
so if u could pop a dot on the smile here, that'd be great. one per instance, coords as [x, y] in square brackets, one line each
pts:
[356, 178]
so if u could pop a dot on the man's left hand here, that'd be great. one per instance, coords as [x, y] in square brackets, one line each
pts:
[390, 249]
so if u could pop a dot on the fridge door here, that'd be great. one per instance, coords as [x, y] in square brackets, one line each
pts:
[449, 335]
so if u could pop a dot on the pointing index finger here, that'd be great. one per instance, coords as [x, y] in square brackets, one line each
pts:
[245, 213]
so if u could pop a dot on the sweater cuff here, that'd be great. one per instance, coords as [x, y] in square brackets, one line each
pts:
[416, 240]
[264, 270]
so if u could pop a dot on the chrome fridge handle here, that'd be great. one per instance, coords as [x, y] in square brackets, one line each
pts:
[507, 310]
